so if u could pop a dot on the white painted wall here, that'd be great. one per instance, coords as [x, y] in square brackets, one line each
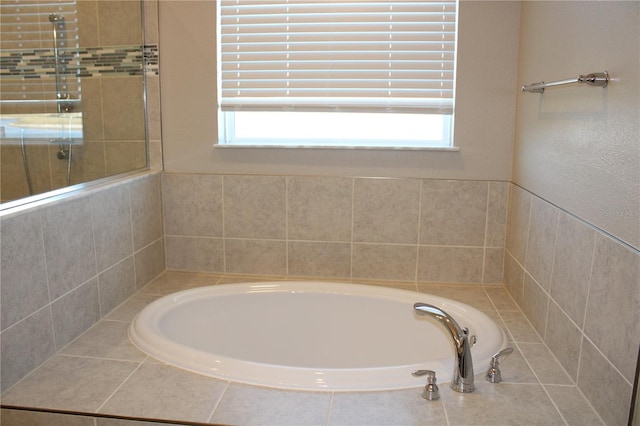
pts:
[485, 105]
[579, 147]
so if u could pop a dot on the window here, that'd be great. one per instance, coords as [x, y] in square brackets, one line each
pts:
[336, 73]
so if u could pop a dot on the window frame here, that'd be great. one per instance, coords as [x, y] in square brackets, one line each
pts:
[227, 134]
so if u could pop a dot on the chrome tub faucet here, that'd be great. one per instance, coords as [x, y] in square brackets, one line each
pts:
[462, 380]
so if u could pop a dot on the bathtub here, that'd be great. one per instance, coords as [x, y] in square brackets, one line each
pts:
[309, 335]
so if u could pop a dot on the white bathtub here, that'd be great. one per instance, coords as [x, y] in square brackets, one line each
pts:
[309, 335]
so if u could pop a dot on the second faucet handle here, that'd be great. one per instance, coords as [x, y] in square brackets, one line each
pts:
[431, 391]
[493, 373]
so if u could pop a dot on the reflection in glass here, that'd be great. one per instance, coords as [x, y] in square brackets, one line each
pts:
[71, 93]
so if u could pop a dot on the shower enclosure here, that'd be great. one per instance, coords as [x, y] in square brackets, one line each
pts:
[71, 93]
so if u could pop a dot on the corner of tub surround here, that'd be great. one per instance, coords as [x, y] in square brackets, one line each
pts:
[68, 260]
[579, 287]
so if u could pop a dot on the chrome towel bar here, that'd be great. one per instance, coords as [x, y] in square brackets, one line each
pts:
[599, 79]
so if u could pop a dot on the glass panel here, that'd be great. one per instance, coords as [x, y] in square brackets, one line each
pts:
[71, 93]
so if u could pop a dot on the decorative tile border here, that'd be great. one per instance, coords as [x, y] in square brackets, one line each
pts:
[85, 62]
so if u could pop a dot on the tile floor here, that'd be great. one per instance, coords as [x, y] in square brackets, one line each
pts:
[102, 373]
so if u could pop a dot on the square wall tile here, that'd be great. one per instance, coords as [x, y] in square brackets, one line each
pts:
[115, 285]
[319, 259]
[453, 212]
[535, 303]
[75, 312]
[255, 207]
[154, 118]
[23, 283]
[192, 205]
[572, 259]
[120, 22]
[149, 262]
[319, 208]
[150, 21]
[146, 210]
[111, 210]
[497, 214]
[384, 262]
[195, 254]
[541, 242]
[25, 346]
[450, 264]
[493, 266]
[513, 277]
[123, 102]
[518, 222]
[603, 386]
[564, 339]
[613, 311]
[124, 156]
[386, 210]
[256, 257]
[69, 250]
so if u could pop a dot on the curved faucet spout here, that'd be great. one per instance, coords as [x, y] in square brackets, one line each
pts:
[462, 380]
[445, 319]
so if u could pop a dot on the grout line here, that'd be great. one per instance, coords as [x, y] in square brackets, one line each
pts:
[133, 244]
[46, 274]
[353, 218]
[486, 232]
[586, 306]
[217, 403]
[415, 276]
[132, 361]
[330, 410]
[224, 234]
[286, 225]
[97, 410]
[553, 265]
[95, 255]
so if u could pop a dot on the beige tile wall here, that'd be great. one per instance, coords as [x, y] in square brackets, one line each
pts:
[339, 227]
[67, 264]
[580, 288]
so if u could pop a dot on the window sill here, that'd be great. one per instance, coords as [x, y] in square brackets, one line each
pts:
[339, 147]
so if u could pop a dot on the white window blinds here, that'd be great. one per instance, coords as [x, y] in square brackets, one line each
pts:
[388, 56]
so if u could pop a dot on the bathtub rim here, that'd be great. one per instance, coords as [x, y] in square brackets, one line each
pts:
[242, 371]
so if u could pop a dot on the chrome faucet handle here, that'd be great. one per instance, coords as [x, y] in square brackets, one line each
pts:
[493, 373]
[431, 391]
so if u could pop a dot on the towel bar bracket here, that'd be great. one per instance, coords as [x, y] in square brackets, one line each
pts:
[598, 79]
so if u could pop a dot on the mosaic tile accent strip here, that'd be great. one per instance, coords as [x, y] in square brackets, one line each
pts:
[85, 62]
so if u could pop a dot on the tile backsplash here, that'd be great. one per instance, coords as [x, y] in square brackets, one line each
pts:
[580, 288]
[338, 227]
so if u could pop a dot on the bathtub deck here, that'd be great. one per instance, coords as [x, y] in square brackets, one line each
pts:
[102, 373]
